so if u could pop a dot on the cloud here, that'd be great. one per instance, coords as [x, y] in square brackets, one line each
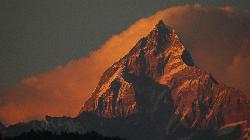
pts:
[218, 39]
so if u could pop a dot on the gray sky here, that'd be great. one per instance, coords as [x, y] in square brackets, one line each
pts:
[36, 35]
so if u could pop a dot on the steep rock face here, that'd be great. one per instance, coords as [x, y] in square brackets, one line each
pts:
[157, 77]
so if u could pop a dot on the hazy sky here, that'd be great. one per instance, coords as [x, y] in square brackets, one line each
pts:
[36, 35]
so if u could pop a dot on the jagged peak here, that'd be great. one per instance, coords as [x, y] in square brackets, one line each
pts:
[162, 29]
[166, 34]
[160, 36]
[162, 26]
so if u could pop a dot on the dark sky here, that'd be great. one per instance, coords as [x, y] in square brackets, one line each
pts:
[36, 35]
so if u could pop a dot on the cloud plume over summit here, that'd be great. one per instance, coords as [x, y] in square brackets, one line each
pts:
[218, 39]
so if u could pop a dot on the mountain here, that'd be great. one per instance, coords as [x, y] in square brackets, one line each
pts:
[159, 76]
[157, 92]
